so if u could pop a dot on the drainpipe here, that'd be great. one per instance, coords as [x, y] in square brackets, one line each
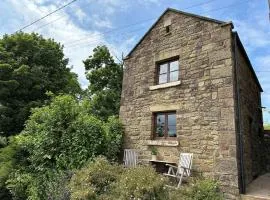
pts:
[240, 147]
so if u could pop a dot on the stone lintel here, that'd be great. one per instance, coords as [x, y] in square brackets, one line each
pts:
[164, 107]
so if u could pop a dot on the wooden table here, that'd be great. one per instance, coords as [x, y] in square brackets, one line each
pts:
[160, 165]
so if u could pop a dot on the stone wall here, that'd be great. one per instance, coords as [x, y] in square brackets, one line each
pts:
[204, 101]
[251, 119]
[267, 151]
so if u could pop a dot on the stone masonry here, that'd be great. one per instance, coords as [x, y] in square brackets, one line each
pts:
[252, 122]
[204, 98]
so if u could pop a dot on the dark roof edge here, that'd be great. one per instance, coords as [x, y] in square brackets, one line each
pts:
[247, 59]
[177, 11]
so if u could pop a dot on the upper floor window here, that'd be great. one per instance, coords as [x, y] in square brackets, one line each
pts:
[168, 72]
[165, 125]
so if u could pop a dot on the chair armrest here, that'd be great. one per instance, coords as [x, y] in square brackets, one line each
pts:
[171, 165]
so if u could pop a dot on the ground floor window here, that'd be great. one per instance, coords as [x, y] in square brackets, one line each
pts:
[165, 125]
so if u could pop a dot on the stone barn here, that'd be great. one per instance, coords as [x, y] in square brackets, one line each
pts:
[189, 86]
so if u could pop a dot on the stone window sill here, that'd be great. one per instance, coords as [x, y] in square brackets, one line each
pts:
[168, 143]
[165, 85]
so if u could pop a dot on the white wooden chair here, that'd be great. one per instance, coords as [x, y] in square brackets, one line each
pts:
[130, 158]
[183, 169]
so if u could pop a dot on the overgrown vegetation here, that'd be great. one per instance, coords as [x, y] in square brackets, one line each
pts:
[101, 180]
[58, 138]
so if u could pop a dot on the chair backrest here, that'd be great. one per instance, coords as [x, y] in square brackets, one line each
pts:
[185, 161]
[130, 158]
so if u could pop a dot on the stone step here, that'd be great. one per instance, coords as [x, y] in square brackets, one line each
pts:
[252, 197]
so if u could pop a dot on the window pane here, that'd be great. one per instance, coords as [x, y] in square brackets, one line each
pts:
[163, 68]
[172, 125]
[172, 131]
[171, 119]
[160, 129]
[174, 66]
[162, 78]
[174, 76]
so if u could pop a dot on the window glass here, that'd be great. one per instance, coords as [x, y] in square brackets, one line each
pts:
[171, 125]
[162, 78]
[165, 125]
[168, 72]
[174, 66]
[160, 123]
[171, 131]
[174, 76]
[163, 68]
[171, 119]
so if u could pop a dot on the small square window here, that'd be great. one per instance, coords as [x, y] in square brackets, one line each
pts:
[165, 125]
[168, 72]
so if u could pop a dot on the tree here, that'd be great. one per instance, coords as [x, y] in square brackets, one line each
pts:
[30, 65]
[105, 78]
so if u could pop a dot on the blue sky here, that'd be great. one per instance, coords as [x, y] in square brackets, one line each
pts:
[119, 24]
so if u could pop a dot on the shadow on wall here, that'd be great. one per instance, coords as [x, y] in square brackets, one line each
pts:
[267, 148]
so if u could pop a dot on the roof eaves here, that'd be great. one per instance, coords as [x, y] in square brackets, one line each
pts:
[248, 61]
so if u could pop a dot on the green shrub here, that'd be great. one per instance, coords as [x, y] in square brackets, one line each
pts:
[12, 157]
[63, 135]
[198, 189]
[59, 137]
[94, 179]
[206, 190]
[114, 138]
[141, 183]
[18, 184]
[52, 185]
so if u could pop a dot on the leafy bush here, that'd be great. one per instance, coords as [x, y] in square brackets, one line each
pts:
[63, 135]
[141, 183]
[114, 138]
[199, 189]
[11, 158]
[60, 137]
[41, 186]
[205, 189]
[94, 179]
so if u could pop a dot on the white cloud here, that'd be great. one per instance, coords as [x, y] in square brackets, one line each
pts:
[109, 7]
[263, 62]
[101, 22]
[80, 14]
[62, 30]
[150, 2]
[252, 36]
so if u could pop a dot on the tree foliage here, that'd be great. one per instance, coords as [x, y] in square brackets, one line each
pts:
[105, 78]
[57, 139]
[30, 65]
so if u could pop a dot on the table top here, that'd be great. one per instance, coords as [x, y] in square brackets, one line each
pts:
[162, 161]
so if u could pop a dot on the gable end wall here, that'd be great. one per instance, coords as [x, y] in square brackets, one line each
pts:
[204, 101]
